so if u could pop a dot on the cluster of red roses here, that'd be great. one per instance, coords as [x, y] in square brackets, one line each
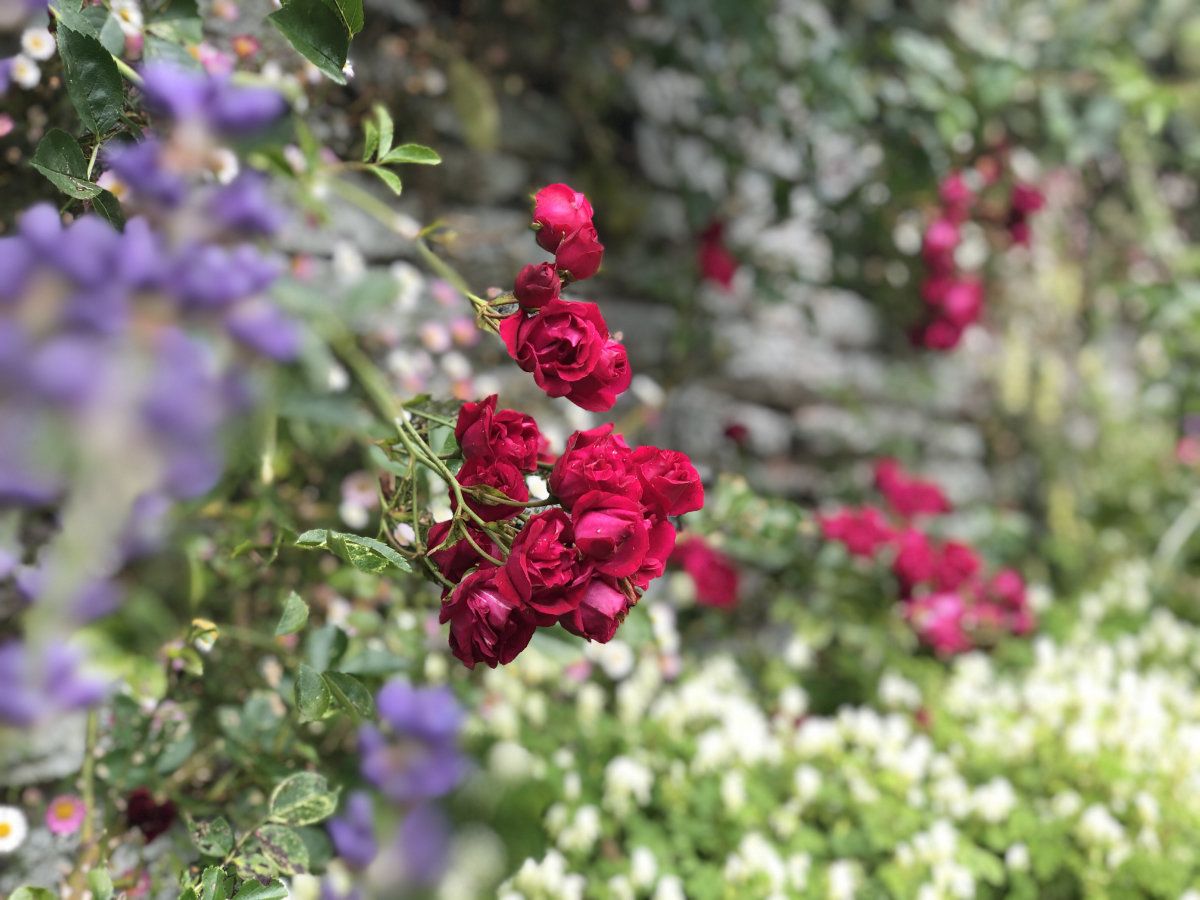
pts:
[946, 597]
[955, 300]
[565, 344]
[582, 563]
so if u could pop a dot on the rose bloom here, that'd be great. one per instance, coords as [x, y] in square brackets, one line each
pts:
[916, 560]
[594, 460]
[504, 477]
[907, 495]
[661, 536]
[601, 611]
[713, 573]
[938, 621]
[485, 624]
[939, 334]
[543, 570]
[560, 345]
[580, 253]
[537, 285]
[611, 378]
[559, 210]
[670, 484]
[485, 433]
[956, 196]
[716, 263]
[65, 814]
[957, 564]
[963, 302]
[941, 237]
[611, 531]
[862, 531]
[458, 558]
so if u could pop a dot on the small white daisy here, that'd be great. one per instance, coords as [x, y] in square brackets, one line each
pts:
[129, 16]
[13, 829]
[37, 43]
[25, 72]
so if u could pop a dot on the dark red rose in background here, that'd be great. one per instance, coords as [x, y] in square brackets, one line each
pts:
[506, 435]
[537, 285]
[611, 378]
[600, 611]
[670, 483]
[916, 560]
[560, 345]
[939, 334]
[558, 210]
[1026, 198]
[1007, 588]
[941, 238]
[611, 531]
[662, 541]
[543, 569]
[863, 531]
[456, 559]
[957, 564]
[147, 815]
[714, 574]
[716, 263]
[485, 624]
[504, 477]
[594, 460]
[956, 197]
[580, 253]
[906, 495]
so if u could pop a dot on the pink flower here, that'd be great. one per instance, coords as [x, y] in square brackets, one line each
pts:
[714, 574]
[485, 624]
[907, 495]
[956, 196]
[580, 253]
[716, 263]
[962, 303]
[938, 622]
[559, 210]
[611, 531]
[957, 564]
[670, 484]
[65, 814]
[594, 460]
[537, 285]
[916, 560]
[863, 531]
[485, 433]
[600, 612]
[941, 237]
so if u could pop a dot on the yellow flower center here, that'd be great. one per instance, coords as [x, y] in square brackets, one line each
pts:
[5, 829]
[64, 810]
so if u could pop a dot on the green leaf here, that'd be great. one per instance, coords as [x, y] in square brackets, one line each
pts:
[32, 893]
[212, 838]
[302, 799]
[295, 615]
[100, 883]
[109, 207]
[475, 103]
[364, 553]
[391, 179]
[418, 154]
[370, 140]
[284, 848]
[112, 38]
[254, 890]
[351, 694]
[318, 34]
[324, 646]
[70, 16]
[215, 884]
[386, 129]
[93, 82]
[59, 158]
[312, 694]
[350, 12]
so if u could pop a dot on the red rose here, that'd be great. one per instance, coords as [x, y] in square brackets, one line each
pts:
[457, 559]
[957, 564]
[558, 210]
[506, 435]
[611, 531]
[504, 477]
[611, 377]
[661, 534]
[938, 621]
[670, 484]
[594, 460]
[963, 302]
[863, 531]
[560, 345]
[941, 237]
[916, 560]
[717, 264]
[580, 253]
[537, 285]
[956, 196]
[485, 625]
[601, 610]
[939, 334]
[543, 570]
[907, 495]
[714, 574]
[1007, 588]
[1026, 199]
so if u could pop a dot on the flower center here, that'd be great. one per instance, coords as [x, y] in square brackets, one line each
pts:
[5, 829]
[64, 810]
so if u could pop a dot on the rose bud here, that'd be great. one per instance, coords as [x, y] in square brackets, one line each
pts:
[611, 531]
[580, 253]
[456, 559]
[601, 610]
[612, 376]
[662, 541]
[559, 210]
[559, 346]
[714, 574]
[543, 570]
[506, 435]
[485, 625]
[594, 460]
[537, 285]
[503, 477]
[670, 483]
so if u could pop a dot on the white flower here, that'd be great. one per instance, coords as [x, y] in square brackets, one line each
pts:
[808, 783]
[995, 801]
[670, 888]
[129, 16]
[615, 658]
[627, 783]
[843, 880]
[13, 829]
[733, 790]
[1017, 857]
[898, 693]
[643, 867]
[37, 43]
[24, 71]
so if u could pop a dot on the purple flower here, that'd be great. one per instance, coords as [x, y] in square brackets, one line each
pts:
[418, 758]
[353, 832]
[212, 277]
[244, 205]
[424, 842]
[139, 165]
[183, 94]
[44, 686]
[262, 327]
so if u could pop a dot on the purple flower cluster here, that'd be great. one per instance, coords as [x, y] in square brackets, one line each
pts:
[413, 760]
[42, 688]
